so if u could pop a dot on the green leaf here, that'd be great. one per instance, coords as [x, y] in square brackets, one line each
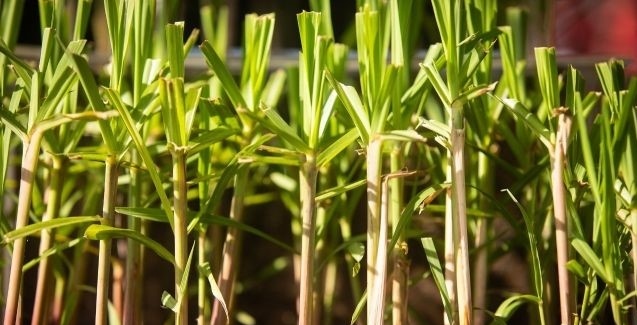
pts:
[168, 301]
[533, 247]
[326, 112]
[206, 272]
[174, 45]
[46, 225]
[270, 160]
[381, 107]
[103, 232]
[594, 262]
[63, 79]
[529, 119]
[183, 283]
[55, 250]
[472, 93]
[154, 214]
[337, 146]
[258, 32]
[277, 125]
[416, 90]
[611, 75]
[437, 127]
[402, 135]
[437, 273]
[338, 190]
[421, 199]
[10, 120]
[22, 68]
[508, 307]
[46, 51]
[352, 102]
[221, 114]
[433, 75]
[359, 308]
[356, 250]
[222, 72]
[576, 268]
[208, 138]
[509, 62]
[547, 76]
[92, 93]
[171, 93]
[274, 88]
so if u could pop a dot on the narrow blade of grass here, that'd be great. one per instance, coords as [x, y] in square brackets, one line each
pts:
[103, 232]
[437, 273]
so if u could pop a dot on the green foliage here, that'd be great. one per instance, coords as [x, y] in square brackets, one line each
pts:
[190, 153]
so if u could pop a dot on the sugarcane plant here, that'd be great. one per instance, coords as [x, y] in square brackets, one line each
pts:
[245, 98]
[110, 155]
[462, 56]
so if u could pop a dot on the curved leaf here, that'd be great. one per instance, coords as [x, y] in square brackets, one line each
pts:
[509, 306]
[47, 225]
[155, 214]
[102, 232]
[205, 270]
[591, 259]
[354, 106]
[336, 147]
[437, 273]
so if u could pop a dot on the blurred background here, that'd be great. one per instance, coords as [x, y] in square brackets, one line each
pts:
[583, 31]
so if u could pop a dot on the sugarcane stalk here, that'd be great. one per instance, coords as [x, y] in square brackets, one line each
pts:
[180, 201]
[31, 151]
[307, 182]
[42, 297]
[104, 250]
[231, 249]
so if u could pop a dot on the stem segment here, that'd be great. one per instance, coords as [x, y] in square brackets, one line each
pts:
[43, 288]
[27, 176]
[104, 259]
[231, 249]
[133, 253]
[461, 241]
[561, 221]
[400, 272]
[180, 201]
[376, 257]
[307, 183]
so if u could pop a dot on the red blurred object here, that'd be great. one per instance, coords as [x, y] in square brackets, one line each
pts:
[598, 27]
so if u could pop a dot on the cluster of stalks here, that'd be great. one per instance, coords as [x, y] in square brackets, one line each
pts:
[191, 153]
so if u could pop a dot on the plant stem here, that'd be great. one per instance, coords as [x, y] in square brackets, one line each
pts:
[400, 272]
[450, 262]
[180, 201]
[481, 271]
[133, 261]
[117, 287]
[231, 249]
[104, 257]
[375, 266]
[461, 241]
[202, 300]
[66, 313]
[561, 222]
[307, 186]
[31, 151]
[42, 297]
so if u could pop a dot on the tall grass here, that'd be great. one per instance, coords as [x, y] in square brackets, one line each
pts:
[190, 153]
